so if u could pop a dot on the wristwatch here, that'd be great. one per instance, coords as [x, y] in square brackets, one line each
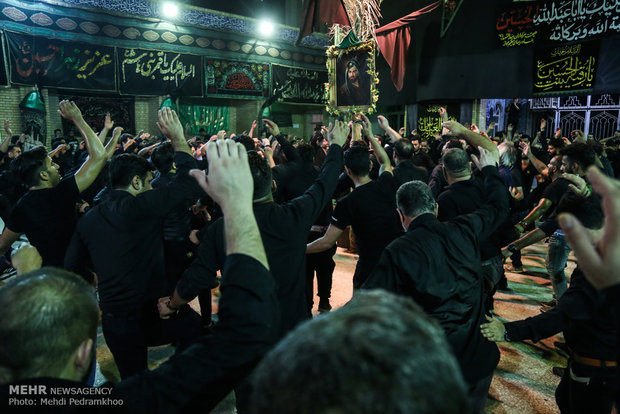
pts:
[512, 248]
[506, 337]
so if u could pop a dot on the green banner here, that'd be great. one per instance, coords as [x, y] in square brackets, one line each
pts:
[211, 118]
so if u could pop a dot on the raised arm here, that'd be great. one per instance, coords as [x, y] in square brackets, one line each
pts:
[110, 147]
[540, 166]
[380, 153]
[472, 138]
[171, 127]
[91, 168]
[108, 124]
[385, 125]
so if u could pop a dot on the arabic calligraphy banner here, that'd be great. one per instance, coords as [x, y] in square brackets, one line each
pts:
[572, 20]
[156, 73]
[429, 120]
[67, 65]
[566, 68]
[307, 86]
[515, 24]
[237, 79]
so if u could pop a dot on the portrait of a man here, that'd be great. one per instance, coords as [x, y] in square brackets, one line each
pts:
[353, 82]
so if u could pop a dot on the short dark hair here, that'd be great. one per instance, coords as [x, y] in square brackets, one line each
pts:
[556, 143]
[580, 153]
[306, 153]
[456, 162]
[354, 360]
[403, 149]
[53, 312]
[246, 141]
[124, 167]
[415, 198]
[357, 159]
[28, 166]
[162, 157]
[261, 174]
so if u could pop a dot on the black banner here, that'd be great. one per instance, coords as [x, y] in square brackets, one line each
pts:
[565, 68]
[307, 85]
[68, 65]
[515, 24]
[156, 73]
[429, 120]
[238, 79]
[573, 20]
[4, 79]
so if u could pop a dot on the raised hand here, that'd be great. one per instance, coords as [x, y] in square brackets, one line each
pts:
[272, 127]
[454, 127]
[338, 132]
[229, 182]
[543, 124]
[525, 148]
[601, 261]
[383, 122]
[486, 158]
[108, 123]
[169, 124]
[443, 113]
[69, 110]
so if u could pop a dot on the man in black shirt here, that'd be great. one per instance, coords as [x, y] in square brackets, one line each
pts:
[369, 210]
[123, 237]
[196, 379]
[438, 265]
[284, 229]
[47, 212]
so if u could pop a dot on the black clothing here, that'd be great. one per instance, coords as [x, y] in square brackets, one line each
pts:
[370, 210]
[123, 237]
[588, 325]
[554, 193]
[438, 266]
[48, 217]
[437, 182]
[202, 375]
[422, 159]
[407, 171]
[284, 229]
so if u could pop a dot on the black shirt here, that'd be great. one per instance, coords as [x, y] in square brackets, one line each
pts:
[48, 217]
[438, 266]
[554, 193]
[589, 325]
[371, 212]
[284, 229]
[407, 171]
[123, 237]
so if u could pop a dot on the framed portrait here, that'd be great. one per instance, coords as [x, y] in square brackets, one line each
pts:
[352, 86]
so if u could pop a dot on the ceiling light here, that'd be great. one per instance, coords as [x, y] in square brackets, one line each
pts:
[170, 10]
[265, 28]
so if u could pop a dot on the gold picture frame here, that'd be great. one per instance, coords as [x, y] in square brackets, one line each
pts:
[352, 87]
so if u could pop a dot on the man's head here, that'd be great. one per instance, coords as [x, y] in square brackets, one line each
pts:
[162, 157]
[261, 174]
[507, 154]
[577, 157]
[246, 141]
[131, 173]
[424, 146]
[57, 133]
[51, 328]
[555, 165]
[14, 151]
[354, 360]
[353, 71]
[456, 165]
[415, 141]
[306, 153]
[202, 132]
[357, 161]
[403, 150]
[35, 168]
[413, 199]
[554, 146]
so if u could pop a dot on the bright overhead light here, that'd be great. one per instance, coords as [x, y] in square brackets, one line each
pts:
[170, 9]
[265, 28]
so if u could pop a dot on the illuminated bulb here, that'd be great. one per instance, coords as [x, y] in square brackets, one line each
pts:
[265, 28]
[170, 10]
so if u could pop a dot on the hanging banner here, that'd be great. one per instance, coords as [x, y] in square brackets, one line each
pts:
[237, 79]
[565, 68]
[156, 73]
[306, 85]
[4, 79]
[66, 65]
[572, 20]
[514, 25]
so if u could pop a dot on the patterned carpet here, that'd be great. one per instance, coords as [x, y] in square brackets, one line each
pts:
[523, 381]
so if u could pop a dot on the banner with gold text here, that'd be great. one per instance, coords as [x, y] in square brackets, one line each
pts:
[566, 68]
[306, 85]
[155, 73]
[514, 24]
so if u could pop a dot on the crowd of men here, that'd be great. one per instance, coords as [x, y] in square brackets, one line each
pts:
[148, 221]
